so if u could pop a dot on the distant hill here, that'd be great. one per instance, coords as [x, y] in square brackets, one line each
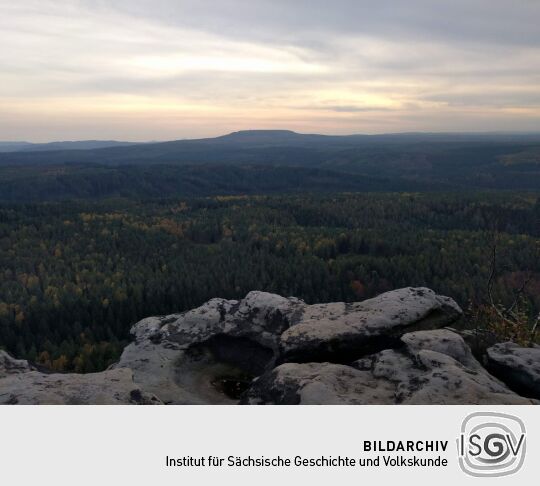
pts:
[13, 146]
[52, 146]
[240, 147]
[240, 161]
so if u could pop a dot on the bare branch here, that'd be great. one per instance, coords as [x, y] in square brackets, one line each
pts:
[492, 273]
[535, 328]
[518, 294]
[493, 269]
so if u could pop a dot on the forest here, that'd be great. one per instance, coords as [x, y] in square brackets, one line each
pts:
[271, 162]
[76, 275]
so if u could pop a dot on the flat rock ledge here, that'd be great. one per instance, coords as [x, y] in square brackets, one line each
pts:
[22, 384]
[338, 332]
[268, 349]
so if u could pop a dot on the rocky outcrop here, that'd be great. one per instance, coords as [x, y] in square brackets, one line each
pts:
[517, 366]
[268, 349]
[21, 383]
[434, 367]
[11, 366]
[210, 354]
[340, 332]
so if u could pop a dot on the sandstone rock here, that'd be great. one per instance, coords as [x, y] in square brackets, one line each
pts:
[211, 353]
[12, 366]
[317, 384]
[25, 385]
[441, 341]
[340, 332]
[384, 350]
[517, 366]
[434, 367]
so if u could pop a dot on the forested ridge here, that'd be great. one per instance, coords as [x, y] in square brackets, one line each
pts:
[76, 275]
[272, 161]
[93, 181]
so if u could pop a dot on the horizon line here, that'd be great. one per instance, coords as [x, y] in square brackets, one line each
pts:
[278, 130]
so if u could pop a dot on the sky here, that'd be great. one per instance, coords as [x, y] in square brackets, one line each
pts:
[170, 69]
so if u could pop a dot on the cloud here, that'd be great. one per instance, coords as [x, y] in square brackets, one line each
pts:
[184, 68]
[350, 108]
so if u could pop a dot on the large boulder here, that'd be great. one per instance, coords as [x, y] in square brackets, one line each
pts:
[517, 366]
[340, 332]
[210, 354]
[433, 367]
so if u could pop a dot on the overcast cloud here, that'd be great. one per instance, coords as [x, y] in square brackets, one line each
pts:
[163, 69]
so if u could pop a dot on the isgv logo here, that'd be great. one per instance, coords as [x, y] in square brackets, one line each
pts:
[491, 444]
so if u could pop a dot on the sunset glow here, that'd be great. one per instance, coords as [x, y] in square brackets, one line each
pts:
[168, 69]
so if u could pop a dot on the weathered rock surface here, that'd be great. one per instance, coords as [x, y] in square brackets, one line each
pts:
[434, 367]
[12, 366]
[389, 349]
[210, 354]
[517, 366]
[341, 332]
[21, 383]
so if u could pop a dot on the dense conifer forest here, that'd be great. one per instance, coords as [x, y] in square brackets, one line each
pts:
[75, 275]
